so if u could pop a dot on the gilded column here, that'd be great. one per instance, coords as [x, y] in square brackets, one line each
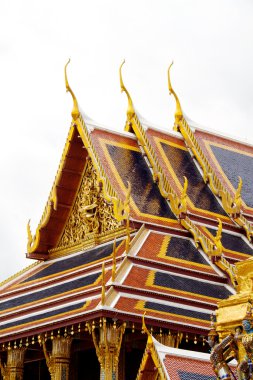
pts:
[107, 342]
[14, 369]
[58, 361]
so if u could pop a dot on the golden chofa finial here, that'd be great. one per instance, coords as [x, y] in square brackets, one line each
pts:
[75, 111]
[145, 329]
[130, 107]
[179, 112]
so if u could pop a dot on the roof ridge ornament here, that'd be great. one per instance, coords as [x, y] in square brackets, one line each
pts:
[179, 112]
[130, 108]
[75, 111]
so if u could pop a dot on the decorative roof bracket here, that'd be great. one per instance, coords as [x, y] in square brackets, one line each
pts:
[107, 188]
[232, 205]
[178, 203]
[213, 249]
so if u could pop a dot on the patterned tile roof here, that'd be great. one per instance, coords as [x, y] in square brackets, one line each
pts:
[230, 159]
[170, 271]
[124, 162]
[162, 274]
[175, 364]
[178, 163]
[175, 251]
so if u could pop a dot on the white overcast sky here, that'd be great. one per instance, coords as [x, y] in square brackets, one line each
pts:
[211, 43]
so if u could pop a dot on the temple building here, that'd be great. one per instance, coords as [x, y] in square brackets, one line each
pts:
[140, 239]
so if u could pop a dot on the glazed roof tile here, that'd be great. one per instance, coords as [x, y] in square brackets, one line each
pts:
[71, 263]
[181, 286]
[67, 282]
[230, 159]
[165, 312]
[123, 163]
[235, 246]
[45, 319]
[175, 363]
[177, 163]
[174, 250]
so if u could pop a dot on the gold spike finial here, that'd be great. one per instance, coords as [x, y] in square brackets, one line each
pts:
[179, 112]
[103, 285]
[29, 235]
[75, 111]
[114, 261]
[130, 108]
[145, 329]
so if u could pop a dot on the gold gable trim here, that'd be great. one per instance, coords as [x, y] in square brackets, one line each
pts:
[34, 240]
[109, 193]
[177, 202]
[231, 204]
[91, 214]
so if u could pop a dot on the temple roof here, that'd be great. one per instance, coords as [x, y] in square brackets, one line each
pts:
[174, 204]
[174, 363]
[176, 285]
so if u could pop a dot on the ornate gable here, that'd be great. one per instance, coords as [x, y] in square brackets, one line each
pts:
[91, 214]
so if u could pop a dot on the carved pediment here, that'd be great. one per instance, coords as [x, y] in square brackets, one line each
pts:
[91, 214]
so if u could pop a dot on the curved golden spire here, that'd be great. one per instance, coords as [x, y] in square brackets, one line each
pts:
[29, 235]
[145, 329]
[75, 111]
[130, 107]
[179, 112]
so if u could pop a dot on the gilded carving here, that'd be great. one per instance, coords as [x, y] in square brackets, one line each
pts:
[58, 360]
[91, 213]
[234, 327]
[14, 368]
[107, 344]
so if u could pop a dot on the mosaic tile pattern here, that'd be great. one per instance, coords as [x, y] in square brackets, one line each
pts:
[198, 191]
[73, 262]
[59, 289]
[176, 310]
[235, 164]
[185, 375]
[233, 243]
[184, 249]
[45, 315]
[133, 168]
[191, 285]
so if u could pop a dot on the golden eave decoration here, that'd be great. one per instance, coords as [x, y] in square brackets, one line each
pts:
[150, 351]
[109, 192]
[231, 204]
[178, 203]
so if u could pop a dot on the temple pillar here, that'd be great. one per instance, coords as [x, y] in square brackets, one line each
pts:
[107, 342]
[14, 369]
[58, 361]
